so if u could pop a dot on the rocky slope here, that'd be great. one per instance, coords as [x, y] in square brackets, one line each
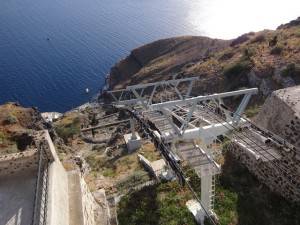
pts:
[160, 59]
[16, 126]
[269, 59]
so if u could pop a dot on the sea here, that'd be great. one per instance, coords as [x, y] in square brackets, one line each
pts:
[51, 51]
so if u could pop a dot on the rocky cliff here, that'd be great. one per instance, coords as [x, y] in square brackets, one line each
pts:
[16, 127]
[163, 58]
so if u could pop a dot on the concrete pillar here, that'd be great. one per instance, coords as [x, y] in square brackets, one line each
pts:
[132, 128]
[206, 191]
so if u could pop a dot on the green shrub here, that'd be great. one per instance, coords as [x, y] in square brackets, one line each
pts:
[98, 147]
[277, 50]
[248, 52]
[96, 162]
[69, 130]
[136, 178]
[227, 55]
[252, 111]
[225, 144]
[291, 70]
[258, 39]
[109, 172]
[162, 204]
[297, 33]
[11, 119]
[2, 137]
[238, 68]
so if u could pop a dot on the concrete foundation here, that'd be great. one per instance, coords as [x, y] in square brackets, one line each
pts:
[132, 143]
[196, 209]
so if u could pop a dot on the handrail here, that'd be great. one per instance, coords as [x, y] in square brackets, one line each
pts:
[41, 190]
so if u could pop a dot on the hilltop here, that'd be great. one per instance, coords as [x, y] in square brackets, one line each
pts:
[269, 59]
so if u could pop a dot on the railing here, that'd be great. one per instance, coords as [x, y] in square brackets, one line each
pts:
[41, 191]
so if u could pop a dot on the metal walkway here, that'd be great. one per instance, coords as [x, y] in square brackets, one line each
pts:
[197, 159]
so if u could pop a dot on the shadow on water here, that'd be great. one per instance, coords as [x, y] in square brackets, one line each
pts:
[242, 200]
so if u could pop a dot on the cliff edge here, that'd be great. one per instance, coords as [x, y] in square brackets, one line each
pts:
[162, 58]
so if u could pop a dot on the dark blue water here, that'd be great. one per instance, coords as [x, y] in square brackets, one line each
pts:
[86, 37]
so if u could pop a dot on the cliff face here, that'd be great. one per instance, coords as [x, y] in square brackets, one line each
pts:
[163, 58]
[268, 59]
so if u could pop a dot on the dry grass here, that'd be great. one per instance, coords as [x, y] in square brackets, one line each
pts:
[68, 126]
[14, 120]
[210, 67]
[123, 165]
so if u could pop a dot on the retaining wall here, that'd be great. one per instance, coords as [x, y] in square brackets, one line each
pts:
[14, 163]
[89, 205]
[284, 184]
[280, 115]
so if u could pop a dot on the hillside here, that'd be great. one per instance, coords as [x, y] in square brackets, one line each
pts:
[16, 126]
[269, 59]
[163, 58]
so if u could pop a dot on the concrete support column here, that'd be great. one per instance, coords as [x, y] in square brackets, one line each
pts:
[206, 191]
[132, 128]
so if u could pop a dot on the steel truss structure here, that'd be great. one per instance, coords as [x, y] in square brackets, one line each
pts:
[185, 128]
[147, 94]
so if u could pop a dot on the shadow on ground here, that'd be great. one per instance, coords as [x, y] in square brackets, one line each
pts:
[242, 200]
[139, 208]
[161, 204]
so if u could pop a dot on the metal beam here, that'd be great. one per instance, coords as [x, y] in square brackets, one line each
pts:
[205, 133]
[138, 86]
[241, 108]
[103, 125]
[136, 93]
[198, 99]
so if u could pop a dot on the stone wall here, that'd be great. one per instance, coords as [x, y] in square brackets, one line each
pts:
[280, 115]
[14, 163]
[89, 205]
[83, 206]
[27, 160]
[286, 184]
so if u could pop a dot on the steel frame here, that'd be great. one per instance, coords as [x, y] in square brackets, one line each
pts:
[143, 94]
[190, 111]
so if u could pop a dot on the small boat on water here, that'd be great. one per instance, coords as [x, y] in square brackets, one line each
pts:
[87, 90]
